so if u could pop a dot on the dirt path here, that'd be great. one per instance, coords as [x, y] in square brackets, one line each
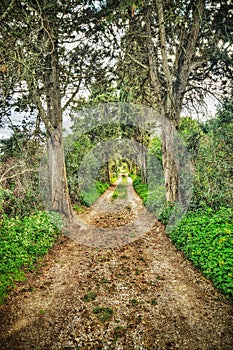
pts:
[137, 295]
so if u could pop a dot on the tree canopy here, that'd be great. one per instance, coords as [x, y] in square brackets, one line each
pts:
[162, 55]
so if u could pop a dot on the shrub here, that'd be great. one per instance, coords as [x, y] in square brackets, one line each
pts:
[154, 197]
[206, 239]
[141, 188]
[22, 241]
[166, 213]
[92, 192]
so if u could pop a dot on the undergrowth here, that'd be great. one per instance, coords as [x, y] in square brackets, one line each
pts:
[92, 193]
[141, 188]
[22, 242]
[153, 198]
[206, 238]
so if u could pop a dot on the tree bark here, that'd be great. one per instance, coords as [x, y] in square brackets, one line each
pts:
[170, 166]
[59, 193]
[143, 164]
[170, 83]
[58, 186]
[107, 171]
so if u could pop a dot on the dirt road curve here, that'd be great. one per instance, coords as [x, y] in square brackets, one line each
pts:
[141, 294]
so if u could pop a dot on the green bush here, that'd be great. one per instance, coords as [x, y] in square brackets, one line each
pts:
[141, 188]
[22, 241]
[165, 214]
[90, 195]
[153, 197]
[20, 205]
[206, 238]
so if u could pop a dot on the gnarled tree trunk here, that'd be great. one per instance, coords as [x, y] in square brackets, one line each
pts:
[59, 193]
[170, 166]
[58, 186]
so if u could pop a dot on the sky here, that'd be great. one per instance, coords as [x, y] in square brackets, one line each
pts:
[211, 110]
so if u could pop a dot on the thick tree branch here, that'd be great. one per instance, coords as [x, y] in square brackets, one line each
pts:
[163, 47]
[152, 61]
[188, 50]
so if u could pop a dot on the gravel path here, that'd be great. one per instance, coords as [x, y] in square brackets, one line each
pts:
[129, 290]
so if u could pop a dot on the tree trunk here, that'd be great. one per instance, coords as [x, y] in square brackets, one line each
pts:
[58, 186]
[59, 193]
[107, 171]
[144, 165]
[170, 82]
[170, 164]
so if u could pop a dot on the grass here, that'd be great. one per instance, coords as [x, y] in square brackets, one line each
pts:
[90, 296]
[103, 314]
[115, 195]
[135, 302]
[119, 332]
[153, 302]
[79, 209]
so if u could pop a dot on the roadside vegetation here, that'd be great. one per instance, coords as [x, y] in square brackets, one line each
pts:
[27, 231]
[22, 243]
[205, 234]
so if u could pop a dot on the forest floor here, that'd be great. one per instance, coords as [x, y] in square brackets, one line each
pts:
[115, 281]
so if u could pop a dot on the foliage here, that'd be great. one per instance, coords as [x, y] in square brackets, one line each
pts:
[213, 161]
[165, 214]
[19, 175]
[22, 241]
[153, 192]
[206, 238]
[213, 184]
[154, 199]
[155, 149]
[115, 195]
[90, 296]
[90, 195]
[75, 150]
[86, 159]
[190, 131]
[141, 188]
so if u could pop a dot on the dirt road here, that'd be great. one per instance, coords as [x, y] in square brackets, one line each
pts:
[125, 289]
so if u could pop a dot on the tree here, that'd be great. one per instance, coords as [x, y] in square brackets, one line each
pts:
[188, 46]
[42, 70]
